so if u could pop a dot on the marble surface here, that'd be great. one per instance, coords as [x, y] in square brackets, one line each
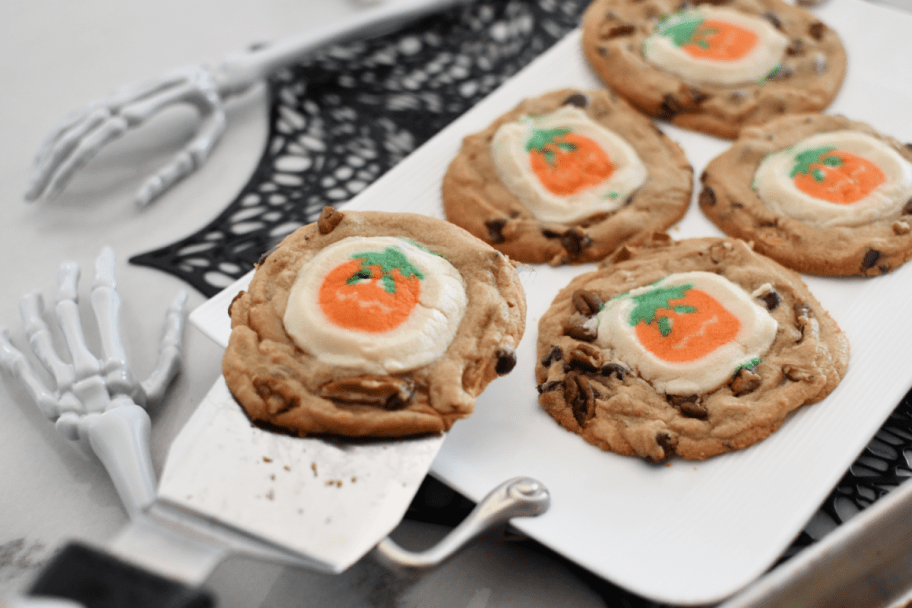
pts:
[55, 57]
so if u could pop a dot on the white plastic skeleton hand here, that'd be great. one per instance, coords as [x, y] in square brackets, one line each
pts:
[97, 401]
[79, 138]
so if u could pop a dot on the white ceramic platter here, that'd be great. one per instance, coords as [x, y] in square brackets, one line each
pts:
[685, 533]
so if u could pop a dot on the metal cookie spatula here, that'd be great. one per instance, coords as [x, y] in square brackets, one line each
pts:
[231, 488]
[227, 487]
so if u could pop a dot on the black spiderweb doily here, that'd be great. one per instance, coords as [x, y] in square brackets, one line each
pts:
[341, 119]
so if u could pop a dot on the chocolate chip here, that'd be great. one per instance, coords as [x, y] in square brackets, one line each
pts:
[555, 354]
[580, 330]
[586, 302]
[774, 19]
[907, 208]
[495, 229]
[744, 382]
[668, 444]
[616, 31]
[551, 234]
[585, 357]
[387, 392]
[870, 259]
[329, 219]
[614, 369]
[577, 99]
[698, 96]
[795, 48]
[506, 361]
[670, 107]
[771, 300]
[692, 409]
[622, 254]
[816, 30]
[802, 317]
[580, 397]
[548, 386]
[575, 241]
[707, 197]
[689, 406]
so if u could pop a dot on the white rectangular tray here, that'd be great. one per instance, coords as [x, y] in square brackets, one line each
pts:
[685, 533]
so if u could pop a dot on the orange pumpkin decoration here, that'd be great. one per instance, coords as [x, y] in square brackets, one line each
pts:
[835, 175]
[710, 39]
[681, 324]
[566, 162]
[373, 292]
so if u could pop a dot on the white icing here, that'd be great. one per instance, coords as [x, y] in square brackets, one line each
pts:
[511, 158]
[619, 339]
[753, 67]
[420, 339]
[776, 188]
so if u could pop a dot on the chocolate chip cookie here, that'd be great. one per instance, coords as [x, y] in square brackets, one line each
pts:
[688, 348]
[717, 66]
[372, 324]
[822, 194]
[567, 177]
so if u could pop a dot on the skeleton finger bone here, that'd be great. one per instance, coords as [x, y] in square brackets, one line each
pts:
[170, 353]
[61, 144]
[31, 306]
[66, 163]
[88, 386]
[78, 140]
[17, 365]
[192, 156]
[118, 376]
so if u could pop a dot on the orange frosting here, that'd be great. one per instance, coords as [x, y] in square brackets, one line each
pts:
[720, 41]
[360, 296]
[566, 163]
[836, 176]
[689, 328]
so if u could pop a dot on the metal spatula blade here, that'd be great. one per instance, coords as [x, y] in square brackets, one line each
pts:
[328, 502]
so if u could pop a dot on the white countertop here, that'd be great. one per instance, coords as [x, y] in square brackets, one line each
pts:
[57, 56]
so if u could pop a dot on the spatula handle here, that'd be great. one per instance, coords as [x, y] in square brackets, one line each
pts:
[98, 580]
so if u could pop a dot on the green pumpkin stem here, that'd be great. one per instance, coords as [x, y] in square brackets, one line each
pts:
[647, 304]
[387, 261]
[543, 141]
[815, 156]
[681, 28]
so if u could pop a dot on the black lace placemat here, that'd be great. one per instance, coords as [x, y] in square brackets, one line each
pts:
[343, 118]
